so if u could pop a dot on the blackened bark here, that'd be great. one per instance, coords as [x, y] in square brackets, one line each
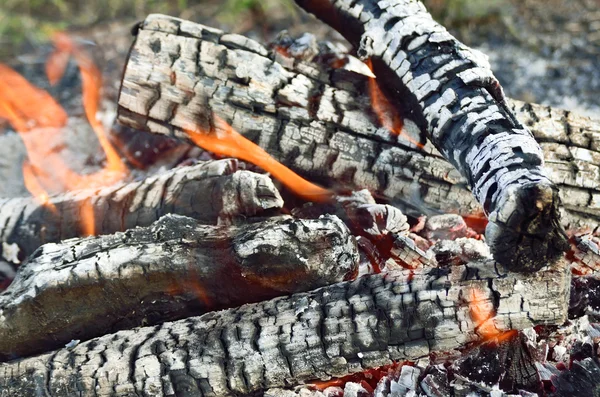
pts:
[206, 191]
[333, 331]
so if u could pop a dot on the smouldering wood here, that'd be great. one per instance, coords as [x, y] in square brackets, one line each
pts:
[178, 267]
[318, 120]
[452, 95]
[206, 191]
[333, 331]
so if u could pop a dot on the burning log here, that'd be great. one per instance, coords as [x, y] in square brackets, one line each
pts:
[333, 331]
[175, 268]
[208, 191]
[455, 99]
[318, 119]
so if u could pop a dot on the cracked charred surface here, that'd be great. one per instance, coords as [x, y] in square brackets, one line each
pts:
[456, 100]
[178, 267]
[208, 191]
[333, 331]
[318, 120]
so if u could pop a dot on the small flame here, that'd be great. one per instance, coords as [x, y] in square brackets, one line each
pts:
[482, 313]
[28, 109]
[226, 141]
[386, 114]
[191, 285]
[369, 378]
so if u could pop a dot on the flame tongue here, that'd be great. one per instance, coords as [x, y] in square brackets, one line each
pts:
[482, 313]
[25, 106]
[386, 113]
[39, 120]
[226, 141]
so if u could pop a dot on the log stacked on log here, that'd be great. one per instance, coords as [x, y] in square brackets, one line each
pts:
[333, 331]
[318, 119]
[452, 95]
[208, 191]
[176, 268]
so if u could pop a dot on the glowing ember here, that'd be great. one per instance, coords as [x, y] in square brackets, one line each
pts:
[476, 221]
[367, 378]
[191, 285]
[387, 115]
[482, 313]
[29, 109]
[226, 141]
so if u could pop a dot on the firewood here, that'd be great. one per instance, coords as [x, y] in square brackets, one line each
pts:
[206, 191]
[178, 267]
[452, 95]
[318, 120]
[333, 331]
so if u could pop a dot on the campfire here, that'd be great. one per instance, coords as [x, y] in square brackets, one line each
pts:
[295, 218]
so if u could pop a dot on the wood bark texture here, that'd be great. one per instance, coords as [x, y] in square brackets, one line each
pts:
[208, 191]
[333, 331]
[452, 95]
[318, 120]
[178, 267]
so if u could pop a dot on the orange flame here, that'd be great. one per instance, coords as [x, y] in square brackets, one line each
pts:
[226, 141]
[482, 312]
[191, 284]
[386, 114]
[368, 378]
[29, 109]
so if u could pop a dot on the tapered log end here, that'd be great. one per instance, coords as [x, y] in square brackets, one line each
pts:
[524, 232]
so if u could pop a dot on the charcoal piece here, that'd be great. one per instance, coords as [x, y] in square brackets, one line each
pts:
[177, 267]
[407, 382]
[142, 149]
[435, 383]
[334, 331]
[208, 191]
[585, 296]
[352, 389]
[459, 251]
[406, 253]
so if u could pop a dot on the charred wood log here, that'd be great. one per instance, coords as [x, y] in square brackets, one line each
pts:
[580, 380]
[454, 98]
[333, 331]
[206, 191]
[318, 120]
[178, 267]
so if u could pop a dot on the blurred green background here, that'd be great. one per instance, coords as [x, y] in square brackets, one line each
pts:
[29, 22]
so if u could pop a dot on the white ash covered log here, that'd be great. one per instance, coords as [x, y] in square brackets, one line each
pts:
[333, 331]
[318, 120]
[208, 191]
[452, 95]
[178, 267]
